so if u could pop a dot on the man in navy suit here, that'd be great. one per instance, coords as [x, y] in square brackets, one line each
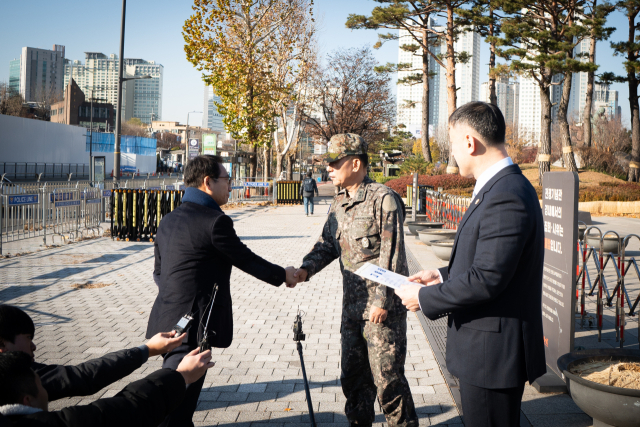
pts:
[492, 289]
[195, 248]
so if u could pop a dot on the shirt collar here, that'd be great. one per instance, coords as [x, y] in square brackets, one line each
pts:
[199, 197]
[360, 193]
[490, 173]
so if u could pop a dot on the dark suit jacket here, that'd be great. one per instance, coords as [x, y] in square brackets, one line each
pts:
[142, 403]
[89, 377]
[493, 287]
[195, 247]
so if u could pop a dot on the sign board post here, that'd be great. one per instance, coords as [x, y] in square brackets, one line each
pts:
[560, 214]
[194, 148]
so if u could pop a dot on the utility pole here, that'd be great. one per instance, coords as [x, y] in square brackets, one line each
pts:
[116, 148]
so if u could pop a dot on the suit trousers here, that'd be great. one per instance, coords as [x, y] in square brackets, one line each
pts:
[484, 407]
[183, 414]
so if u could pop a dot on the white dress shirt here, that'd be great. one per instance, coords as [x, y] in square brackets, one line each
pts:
[490, 173]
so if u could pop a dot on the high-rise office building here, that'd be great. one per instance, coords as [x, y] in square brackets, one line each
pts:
[467, 80]
[507, 94]
[98, 78]
[211, 118]
[14, 76]
[39, 74]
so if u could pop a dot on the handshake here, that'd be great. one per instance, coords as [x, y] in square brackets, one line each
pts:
[295, 276]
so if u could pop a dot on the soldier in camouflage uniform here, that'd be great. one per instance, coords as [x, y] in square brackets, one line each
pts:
[365, 225]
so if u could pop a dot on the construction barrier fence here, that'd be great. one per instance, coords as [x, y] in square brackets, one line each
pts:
[288, 193]
[136, 213]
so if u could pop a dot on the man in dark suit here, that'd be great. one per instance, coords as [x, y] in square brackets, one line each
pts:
[492, 288]
[195, 248]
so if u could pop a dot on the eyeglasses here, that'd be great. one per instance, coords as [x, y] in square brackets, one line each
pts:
[226, 179]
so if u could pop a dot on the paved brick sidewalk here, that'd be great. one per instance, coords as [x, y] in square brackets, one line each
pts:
[258, 379]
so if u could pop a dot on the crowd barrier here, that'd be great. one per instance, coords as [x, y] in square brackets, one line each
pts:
[250, 189]
[440, 207]
[288, 193]
[136, 213]
[56, 210]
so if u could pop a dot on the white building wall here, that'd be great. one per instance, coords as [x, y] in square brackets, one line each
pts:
[36, 141]
[507, 94]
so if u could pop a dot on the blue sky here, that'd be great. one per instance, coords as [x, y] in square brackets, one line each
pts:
[153, 32]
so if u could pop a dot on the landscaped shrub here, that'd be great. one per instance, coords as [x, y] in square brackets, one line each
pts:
[447, 182]
[627, 192]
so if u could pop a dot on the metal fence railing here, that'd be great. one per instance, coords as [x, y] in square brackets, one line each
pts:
[288, 192]
[251, 190]
[27, 171]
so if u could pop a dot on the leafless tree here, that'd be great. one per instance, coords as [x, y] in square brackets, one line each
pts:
[10, 101]
[348, 96]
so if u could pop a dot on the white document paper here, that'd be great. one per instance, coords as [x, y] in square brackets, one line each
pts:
[381, 275]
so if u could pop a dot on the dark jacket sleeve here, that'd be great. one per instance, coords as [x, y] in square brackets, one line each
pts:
[444, 272]
[499, 247]
[143, 403]
[227, 242]
[157, 264]
[90, 377]
[315, 187]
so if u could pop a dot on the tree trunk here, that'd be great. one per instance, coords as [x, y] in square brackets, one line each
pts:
[267, 163]
[563, 124]
[451, 80]
[634, 164]
[290, 167]
[586, 114]
[632, 57]
[544, 151]
[426, 149]
[493, 97]
[279, 158]
[253, 162]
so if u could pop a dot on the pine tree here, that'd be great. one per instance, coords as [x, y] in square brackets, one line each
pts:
[538, 39]
[630, 49]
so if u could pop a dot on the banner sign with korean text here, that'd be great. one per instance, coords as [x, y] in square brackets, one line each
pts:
[560, 214]
[209, 143]
[256, 184]
[194, 148]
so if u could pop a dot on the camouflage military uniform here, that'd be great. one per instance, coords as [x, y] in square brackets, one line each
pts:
[367, 227]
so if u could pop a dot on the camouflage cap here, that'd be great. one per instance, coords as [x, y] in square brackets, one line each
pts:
[343, 145]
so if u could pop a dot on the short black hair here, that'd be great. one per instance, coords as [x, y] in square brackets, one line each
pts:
[200, 167]
[14, 321]
[364, 158]
[484, 118]
[309, 174]
[16, 377]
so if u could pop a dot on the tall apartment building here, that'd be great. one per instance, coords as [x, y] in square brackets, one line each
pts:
[38, 74]
[508, 94]
[98, 78]
[211, 118]
[467, 80]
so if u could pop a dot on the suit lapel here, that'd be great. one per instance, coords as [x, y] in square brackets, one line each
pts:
[477, 201]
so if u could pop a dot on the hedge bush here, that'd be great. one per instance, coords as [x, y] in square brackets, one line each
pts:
[447, 182]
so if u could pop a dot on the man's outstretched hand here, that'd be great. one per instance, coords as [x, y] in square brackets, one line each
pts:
[164, 342]
[194, 365]
[292, 281]
[426, 277]
[301, 275]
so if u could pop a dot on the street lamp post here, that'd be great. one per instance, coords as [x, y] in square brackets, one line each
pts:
[186, 146]
[121, 79]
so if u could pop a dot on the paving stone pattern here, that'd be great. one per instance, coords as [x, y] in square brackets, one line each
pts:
[258, 378]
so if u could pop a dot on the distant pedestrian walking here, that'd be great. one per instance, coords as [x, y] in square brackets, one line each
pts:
[307, 190]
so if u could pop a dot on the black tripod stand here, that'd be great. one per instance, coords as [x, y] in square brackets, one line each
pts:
[297, 337]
